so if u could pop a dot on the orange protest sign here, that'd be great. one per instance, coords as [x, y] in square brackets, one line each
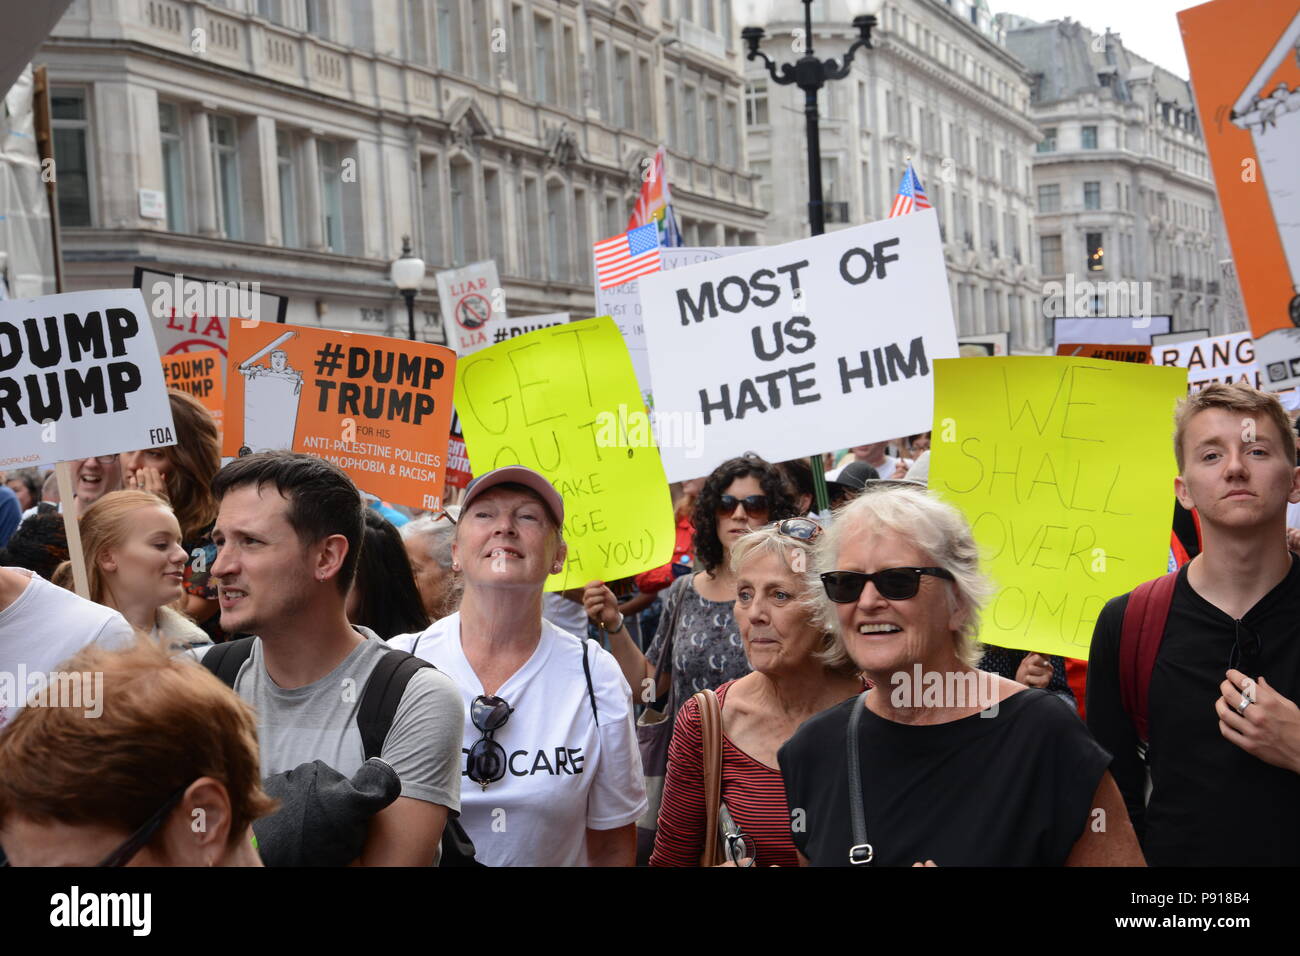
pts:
[1141, 354]
[198, 373]
[379, 408]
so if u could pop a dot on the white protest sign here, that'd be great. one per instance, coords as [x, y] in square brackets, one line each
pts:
[472, 301]
[1107, 330]
[79, 376]
[789, 350]
[1277, 353]
[1220, 358]
[622, 303]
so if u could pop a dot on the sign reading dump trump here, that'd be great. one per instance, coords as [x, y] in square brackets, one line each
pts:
[379, 408]
[1069, 505]
[793, 349]
[79, 376]
[564, 401]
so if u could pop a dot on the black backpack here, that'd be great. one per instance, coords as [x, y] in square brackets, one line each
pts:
[379, 700]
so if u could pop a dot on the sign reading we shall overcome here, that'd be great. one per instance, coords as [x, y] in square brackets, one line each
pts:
[379, 408]
[79, 376]
[557, 400]
[793, 349]
[1069, 505]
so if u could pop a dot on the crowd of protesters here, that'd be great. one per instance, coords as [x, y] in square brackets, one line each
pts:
[334, 680]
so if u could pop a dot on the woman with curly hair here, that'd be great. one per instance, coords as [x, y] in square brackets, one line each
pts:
[698, 642]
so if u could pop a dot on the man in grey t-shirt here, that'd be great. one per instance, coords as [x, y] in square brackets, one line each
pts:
[288, 535]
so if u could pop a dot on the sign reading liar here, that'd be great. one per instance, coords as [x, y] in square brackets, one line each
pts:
[379, 408]
[1064, 502]
[200, 374]
[472, 303]
[79, 376]
[551, 400]
[793, 349]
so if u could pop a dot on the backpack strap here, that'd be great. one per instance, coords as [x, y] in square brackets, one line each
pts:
[591, 691]
[1139, 643]
[381, 695]
[226, 659]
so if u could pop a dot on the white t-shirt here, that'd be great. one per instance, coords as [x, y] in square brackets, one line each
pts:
[564, 774]
[564, 614]
[43, 627]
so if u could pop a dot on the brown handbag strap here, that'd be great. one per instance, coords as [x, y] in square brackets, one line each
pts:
[711, 739]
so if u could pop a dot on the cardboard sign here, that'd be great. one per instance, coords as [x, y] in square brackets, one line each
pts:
[564, 401]
[1069, 505]
[79, 376]
[622, 303]
[200, 374]
[473, 303]
[789, 350]
[458, 470]
[1141, 354]
[1245, 74]
[1110, 331]
[193, 315]
[1221, 358]
[379, 408]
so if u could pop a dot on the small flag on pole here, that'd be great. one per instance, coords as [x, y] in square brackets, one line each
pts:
[911, 194]
[624, 257]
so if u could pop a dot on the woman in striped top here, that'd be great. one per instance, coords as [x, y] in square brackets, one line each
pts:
[760, 711]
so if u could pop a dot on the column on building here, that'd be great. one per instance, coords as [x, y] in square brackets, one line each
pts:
[205, 193]
[262, 215]
[313, 218]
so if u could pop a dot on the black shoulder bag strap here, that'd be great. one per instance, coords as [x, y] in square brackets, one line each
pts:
[226, 659]
[860, 853]
[591, 691]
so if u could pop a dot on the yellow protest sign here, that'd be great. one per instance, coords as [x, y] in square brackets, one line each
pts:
[1064, 467]
[564, 401]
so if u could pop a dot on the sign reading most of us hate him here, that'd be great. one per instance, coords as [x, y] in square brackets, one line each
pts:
[793, 349]
[379, 408]
[1069, 504]
[79, 376]
[564, 401]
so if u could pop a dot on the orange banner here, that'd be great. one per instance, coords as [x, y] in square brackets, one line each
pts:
[198, 373]
[1141, 354]
[379, 408]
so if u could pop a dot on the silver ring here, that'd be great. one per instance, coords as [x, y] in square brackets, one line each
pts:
[1245, 702]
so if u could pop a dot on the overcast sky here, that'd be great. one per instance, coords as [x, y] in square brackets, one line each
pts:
[1148, 27]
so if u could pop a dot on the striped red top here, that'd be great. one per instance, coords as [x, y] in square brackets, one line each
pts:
[754, 795]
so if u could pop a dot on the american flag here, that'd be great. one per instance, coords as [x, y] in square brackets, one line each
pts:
[911, 194]
[627, 256]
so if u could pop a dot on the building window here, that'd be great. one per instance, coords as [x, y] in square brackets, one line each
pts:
[646, 118]
[690, 118]
[582, 237]
[519, 47]
[1090, 137]
[431, 208]
[1096, 254]
[318, 18]
[557, 232]
[1049, 198]
[1048, 144]
[731, 137]
[71, 156]
[670, 105]
[624, 108]
[756, 103]
[1053, 264]
[543, 58]
[448, 27]
[173, 163]
[711, 127]
[1092, 195]
[763, 170]
[463, 214]
[602, 80]
[416, 33]
[331, 194]
[532, 229]
[272, 10]
[289, 235]
[862, 105]
[225, 175]
[570, 75]
[496, 215]
[614, 223]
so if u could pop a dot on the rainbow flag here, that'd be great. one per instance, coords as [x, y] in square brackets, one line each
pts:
[655, 204]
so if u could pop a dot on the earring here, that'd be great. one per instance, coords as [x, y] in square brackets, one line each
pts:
[455, 566]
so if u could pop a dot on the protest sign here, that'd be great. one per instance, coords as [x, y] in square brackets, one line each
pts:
[622, 303]
[1141, 354]
[379, 408]
[200, 374]
[79, 376]
[1110, 331]
[1245, 76]
[1277, 354]
[1069, 506]
[193, 315]
[1221, 358]
[564, 401]
[978, 346]
[1186, 335]
[790, 350]
[473, 304]
[458, 470]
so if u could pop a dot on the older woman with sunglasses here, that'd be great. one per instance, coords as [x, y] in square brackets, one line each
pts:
[548, 732]
[937, 764]
[790, 682]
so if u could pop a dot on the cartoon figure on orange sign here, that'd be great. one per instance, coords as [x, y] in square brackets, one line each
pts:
[271, 396]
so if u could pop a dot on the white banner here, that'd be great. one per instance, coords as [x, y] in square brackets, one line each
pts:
[1220, 358]
[1277, 354]
[79, 376]
[473, 303]
[790, 350]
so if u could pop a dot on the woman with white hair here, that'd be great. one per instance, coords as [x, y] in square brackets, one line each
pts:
[938, 763]
[428, 540]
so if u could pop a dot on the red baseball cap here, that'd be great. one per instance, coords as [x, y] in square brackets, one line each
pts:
[517, 475]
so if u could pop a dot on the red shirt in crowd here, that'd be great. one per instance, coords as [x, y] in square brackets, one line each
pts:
[652, 582]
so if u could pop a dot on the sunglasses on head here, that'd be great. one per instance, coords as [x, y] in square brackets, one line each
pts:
[894, 584]
[801, 529]
[1246, 650]
[754, 504]
[486, 762]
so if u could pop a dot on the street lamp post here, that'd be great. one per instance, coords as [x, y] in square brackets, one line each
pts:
[407, 274]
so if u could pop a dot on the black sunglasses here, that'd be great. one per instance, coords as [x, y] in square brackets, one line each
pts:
[894, 584]
[754, 504]
[801, 529]
[1245, 654]
[138, 840]
[486, 762]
